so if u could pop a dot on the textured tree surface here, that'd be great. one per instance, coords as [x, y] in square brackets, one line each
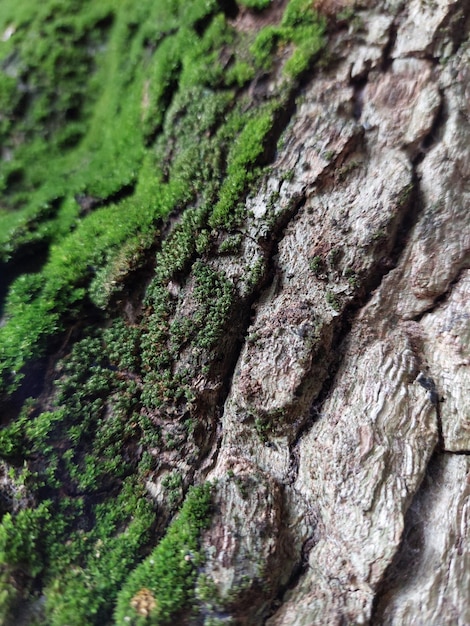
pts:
[254, 409]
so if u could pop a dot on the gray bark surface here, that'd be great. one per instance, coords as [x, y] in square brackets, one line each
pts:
[346, 425]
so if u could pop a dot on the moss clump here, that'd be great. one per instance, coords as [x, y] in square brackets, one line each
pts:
[255, 4]
[241, 164]
[302, 28]
[169, 574]
[83, 546]
[82, 567]
[232, 244]
[20, 539]
[333, 301]
[317, 265]
[214, 300]
[109, 552]
[213, 295]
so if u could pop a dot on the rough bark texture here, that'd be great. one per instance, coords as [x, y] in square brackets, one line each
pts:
[357, 356]
[333, 418]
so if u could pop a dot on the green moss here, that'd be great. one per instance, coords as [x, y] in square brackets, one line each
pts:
[214, 301]
[256, 273]
[207, 591]
[113, 116]
[35, 539]
[107, 162]
[128, 72]
[263, 428]
[173, 485]
[316, 265]
[350, 15]
[353, 278]
[240, 73]
[334, 256]
[302, 28]
[333, 301]
[379, 235]
[255, 4]
[215, 296]
[265, 45]
[231, 245]
[169, 574]
[86, 595]
[21, 539]
[242, 165]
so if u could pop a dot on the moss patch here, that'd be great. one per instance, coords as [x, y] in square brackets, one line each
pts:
[114, 116]
[163, 585]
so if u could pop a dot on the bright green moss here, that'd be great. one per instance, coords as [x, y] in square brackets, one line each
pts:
[300, 26]
[242, 167]
[240, 73]
[94, 251]
[21, 539]
[265, 45]
[255, 4]
[126, 73]
[169, 574]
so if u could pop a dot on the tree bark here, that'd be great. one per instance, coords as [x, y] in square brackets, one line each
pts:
[332, 416]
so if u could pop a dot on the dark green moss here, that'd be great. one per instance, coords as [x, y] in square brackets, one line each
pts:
[333, 301]
[86, 595]
[231, 245]
[317, 265]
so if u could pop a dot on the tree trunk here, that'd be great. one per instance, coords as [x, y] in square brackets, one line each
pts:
[317, 353]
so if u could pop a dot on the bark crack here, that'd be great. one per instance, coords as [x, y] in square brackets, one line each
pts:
[421, 537]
